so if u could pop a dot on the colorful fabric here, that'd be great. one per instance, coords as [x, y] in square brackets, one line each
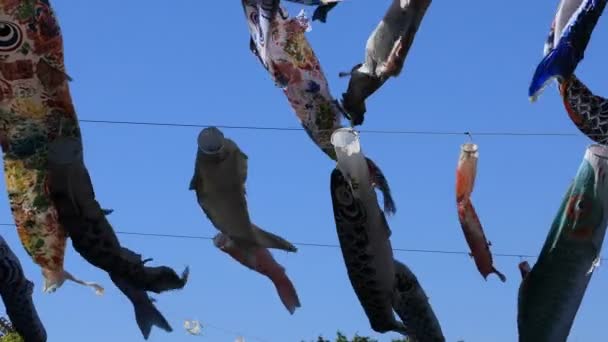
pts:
[35, 108]
[589, 112]
[551, 293]
[565, 45]
[466, 172]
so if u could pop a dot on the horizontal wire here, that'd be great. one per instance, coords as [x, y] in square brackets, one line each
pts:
[321, 245]
[266, 128]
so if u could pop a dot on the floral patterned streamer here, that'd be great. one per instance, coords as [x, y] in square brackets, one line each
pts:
[469, 221]
[551, 293]
[295, 68]
[35, 107]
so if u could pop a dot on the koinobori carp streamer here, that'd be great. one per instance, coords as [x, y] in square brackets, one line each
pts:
[385, 53]
[35, 107]
[551, 292]
[294, 67]
[364, 234]
[16, 291]
[94, 238]
[566, 43]
[220, 173]
[589, 112]
[466, 172]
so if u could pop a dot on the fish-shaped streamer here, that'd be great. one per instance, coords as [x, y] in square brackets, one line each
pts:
[220, 174]
[262, 262]
[551, 293]
[16, 291]
[566, 43]
[589, 112]
[413, 307]
[385, 53]
[466, 172]
[267, 10]
[364, 234]
[295, 67]
[35, 107]
[94, 238]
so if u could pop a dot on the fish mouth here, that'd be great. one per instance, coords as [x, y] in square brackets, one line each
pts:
[346, 141]
[469, 148]
[220, 240]
[350, 158]
[211, 140]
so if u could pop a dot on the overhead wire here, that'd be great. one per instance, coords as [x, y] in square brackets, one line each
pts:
[321, 245]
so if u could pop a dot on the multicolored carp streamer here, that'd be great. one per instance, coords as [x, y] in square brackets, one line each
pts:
[295, 68]
[589, 112]
[412, 305]
[466, 172]
[385, 53]
[565, 46]
[551, 293]
[220, 173]
[16, 291]
[35, 107]
[364, 234]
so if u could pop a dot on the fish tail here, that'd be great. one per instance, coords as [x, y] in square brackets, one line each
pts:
[269, 240]
[287, 292]
[380, 182]
[54, 280]
[321, 11]
[147, 316]
[502, 277]
[559, 63]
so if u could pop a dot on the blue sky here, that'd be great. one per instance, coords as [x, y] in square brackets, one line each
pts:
[189, 62]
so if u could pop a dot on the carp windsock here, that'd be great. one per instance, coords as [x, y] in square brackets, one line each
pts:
[551, 293]
[385, 53]
[412, 305]
[35, 107]
[565, 45]
[94, 238]
[364, 234]
[589, 112]
[466, 172]
[220, 173]
[16, 291]
[295, 68]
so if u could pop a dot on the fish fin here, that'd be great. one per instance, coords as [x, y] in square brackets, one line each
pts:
[147, 316]
[489, 243]
[192, 183]
[502, 277]
[269, 240]
[107, 212]
[322, 11]
[287, 292]
[352, 71]
[559, 63]
[381, 183]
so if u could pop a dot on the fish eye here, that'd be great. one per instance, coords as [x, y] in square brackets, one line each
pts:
[10, 36]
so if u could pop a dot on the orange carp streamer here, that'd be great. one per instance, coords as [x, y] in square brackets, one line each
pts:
[471, 226]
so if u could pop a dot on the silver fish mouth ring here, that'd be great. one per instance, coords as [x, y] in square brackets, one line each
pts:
[211, 140]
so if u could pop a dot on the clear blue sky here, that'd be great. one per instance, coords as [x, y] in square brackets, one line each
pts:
[179, 61]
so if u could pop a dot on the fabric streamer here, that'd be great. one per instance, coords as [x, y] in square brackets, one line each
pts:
[385, 53]
[466, 172]
[220, 173]
[16, 291]
[363, 233]
[589, 112]
[295, 68]
[35, 107]
[565, 45]
[551, 292]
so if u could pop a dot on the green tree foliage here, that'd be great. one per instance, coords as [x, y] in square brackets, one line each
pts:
[7, 332]
[342, 338]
